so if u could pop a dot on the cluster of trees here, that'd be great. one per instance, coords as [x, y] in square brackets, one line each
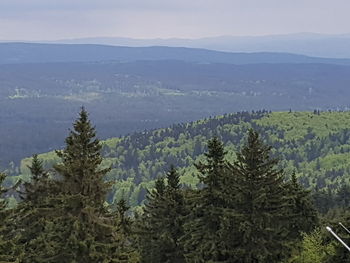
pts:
[63, 216]
[316, 147]
[242, 211]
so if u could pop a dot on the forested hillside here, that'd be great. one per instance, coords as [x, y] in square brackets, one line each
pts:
[314, 145]
[223, 189]
[126, 97]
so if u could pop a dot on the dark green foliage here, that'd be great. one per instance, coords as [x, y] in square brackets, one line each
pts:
[80, 167]
[9, 251]
[303, 216]
[84, 229]
[149, 224]
[173, 217]
[261, 204]
[316, 147]
[34, 213]
[126, 236]
[38, 187]
[161, 225]
[203, 240]
[75, 224]
[242, 211]
[343, 195]
[324, 199]
[332, 219]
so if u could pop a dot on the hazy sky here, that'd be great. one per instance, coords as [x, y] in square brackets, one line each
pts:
[58, 19]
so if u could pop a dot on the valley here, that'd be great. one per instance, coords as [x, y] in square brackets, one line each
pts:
[41, 98]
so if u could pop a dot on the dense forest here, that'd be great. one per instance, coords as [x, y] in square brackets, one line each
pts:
[225, 189]
[313, 145]
[124, 97]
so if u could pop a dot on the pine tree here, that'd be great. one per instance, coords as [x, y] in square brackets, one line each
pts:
[202, 240]
[260, 204]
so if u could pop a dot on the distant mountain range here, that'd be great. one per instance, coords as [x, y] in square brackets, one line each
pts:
[130, 89]
[319, 45]
[18, 53]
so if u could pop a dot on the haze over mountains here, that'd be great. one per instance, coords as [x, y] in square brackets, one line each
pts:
[45, 53]
[129, 89]
[310, 44]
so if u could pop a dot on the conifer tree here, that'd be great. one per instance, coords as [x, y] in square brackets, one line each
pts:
[150, 245]
[34, 213]
[163, 221]
[126, 236]
[9, 252]
[85, 229]
[37, 188]
[80, 228]
[261, 204]
[303, 216]
[173, 218]
[202, 240]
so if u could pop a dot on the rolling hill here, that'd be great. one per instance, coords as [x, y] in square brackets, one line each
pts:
[42, 98]
[314, 145]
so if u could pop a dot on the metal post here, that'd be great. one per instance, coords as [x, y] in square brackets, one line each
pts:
[347, 230]
[339, 239]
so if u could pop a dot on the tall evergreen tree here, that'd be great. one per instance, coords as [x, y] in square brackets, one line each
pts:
[303, 216]
[202, 240]
[34, 213]
[260, 204]
[86, 227]
[162, 221]
[173, 218]
[126, 236]
[149, 224]
[80, 228]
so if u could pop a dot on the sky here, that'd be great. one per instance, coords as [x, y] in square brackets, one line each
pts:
[62, 19]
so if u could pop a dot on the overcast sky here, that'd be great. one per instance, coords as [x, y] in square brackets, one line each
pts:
[59, 19]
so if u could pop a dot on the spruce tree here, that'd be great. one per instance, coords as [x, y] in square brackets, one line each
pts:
[173, 218]
[85, 229]
[79, 227]
[9, 251]
[126, 234]
[149, 223]
[303, 216]
[261, 205]
[35, 212]
[202, 240]
[162, 221]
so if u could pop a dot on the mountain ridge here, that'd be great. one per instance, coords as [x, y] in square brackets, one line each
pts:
[311, 44]
[16, 53]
